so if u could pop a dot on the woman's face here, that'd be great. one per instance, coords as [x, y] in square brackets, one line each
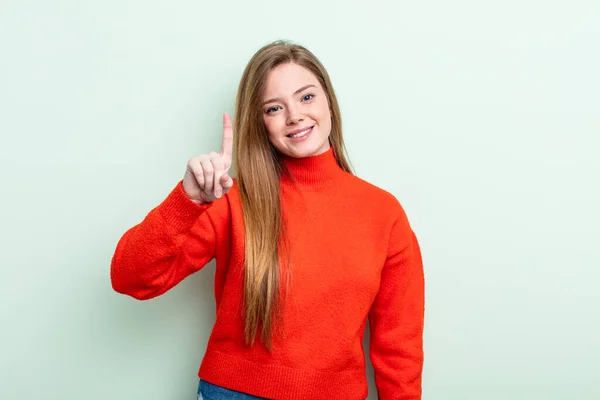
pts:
[294, 101]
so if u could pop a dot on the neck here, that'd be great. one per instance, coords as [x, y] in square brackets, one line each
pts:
[311, 172]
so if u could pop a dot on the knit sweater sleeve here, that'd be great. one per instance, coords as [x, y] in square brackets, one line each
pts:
[174, 240]
[396, 318]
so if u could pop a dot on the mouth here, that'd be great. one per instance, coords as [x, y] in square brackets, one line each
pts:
[300, 133]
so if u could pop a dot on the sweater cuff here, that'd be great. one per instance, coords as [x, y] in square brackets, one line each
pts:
[179, 211]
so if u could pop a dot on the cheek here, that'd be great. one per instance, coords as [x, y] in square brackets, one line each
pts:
[327, 123]
[272, 126]
[323, 111]
[325, 116]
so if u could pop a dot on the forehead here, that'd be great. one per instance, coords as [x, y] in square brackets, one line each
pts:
[285, 79]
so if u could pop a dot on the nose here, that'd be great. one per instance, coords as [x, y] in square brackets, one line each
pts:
[294, 117]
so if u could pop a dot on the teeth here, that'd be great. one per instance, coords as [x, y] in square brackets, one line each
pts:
[300, 133]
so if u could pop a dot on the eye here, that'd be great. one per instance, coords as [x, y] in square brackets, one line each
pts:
[308, 97]
[272, 109]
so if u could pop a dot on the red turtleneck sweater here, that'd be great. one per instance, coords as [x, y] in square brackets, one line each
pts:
[353, 256]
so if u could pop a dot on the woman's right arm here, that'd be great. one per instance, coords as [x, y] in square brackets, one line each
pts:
[149, 258]
[177, 238]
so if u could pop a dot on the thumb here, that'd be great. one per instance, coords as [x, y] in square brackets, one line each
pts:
[226, 181]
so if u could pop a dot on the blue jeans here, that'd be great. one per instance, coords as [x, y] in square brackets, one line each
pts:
[208, 391]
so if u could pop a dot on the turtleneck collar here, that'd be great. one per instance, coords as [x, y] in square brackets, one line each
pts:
[312, 172]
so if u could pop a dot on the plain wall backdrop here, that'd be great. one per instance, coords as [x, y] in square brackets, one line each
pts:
[483, 118]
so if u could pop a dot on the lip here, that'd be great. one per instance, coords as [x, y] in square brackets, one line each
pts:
[300, 130]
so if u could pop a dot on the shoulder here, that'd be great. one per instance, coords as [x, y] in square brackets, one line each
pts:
[383, 197]
[381, 202]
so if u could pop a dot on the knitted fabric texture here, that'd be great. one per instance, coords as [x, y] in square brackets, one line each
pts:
[353, 257]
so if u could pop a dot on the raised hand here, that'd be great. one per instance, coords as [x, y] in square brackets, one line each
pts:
[206, 177]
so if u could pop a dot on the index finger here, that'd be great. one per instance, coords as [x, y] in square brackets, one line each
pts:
[227, 143]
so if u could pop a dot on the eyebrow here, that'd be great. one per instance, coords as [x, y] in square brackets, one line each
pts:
[296, 92]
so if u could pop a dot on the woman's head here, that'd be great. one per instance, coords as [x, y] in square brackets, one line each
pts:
[283, 88]
[270, 104]
[296, 111]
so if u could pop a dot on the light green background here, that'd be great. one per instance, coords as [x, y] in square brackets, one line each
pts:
[482, 117]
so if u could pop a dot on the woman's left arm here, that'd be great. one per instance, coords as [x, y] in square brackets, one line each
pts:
[396, 318]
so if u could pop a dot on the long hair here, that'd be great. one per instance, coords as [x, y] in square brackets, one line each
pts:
[258, 171]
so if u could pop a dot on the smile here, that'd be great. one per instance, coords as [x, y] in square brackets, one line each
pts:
[301, 134]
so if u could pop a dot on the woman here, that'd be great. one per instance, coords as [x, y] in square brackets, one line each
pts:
[305, 250]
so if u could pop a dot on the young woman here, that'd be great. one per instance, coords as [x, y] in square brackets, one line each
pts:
[305, 250]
